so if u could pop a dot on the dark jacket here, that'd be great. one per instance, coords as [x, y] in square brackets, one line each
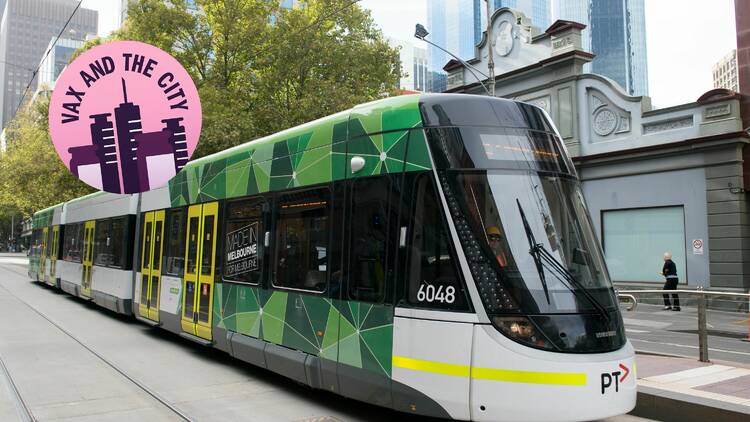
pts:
[670, 269]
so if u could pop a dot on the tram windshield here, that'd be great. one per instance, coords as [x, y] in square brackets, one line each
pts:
[522, 222]
[533, 229]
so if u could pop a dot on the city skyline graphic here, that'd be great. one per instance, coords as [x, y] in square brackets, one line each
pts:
[121, 158]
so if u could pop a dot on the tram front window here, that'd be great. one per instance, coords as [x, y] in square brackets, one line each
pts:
[521, 219]
[533, 230]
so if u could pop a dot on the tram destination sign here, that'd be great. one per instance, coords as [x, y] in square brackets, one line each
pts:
[242, 250]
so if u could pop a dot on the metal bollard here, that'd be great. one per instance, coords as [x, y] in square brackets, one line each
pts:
[702, 330]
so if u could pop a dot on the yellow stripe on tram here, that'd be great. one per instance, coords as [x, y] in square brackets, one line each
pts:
[529, 377]
[491, 374]
[434, 367]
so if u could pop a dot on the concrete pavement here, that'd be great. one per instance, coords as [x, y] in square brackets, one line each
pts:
[654, 330]
[672, 388]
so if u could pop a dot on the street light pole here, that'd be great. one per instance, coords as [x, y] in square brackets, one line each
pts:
[420, 33]
[490, 53]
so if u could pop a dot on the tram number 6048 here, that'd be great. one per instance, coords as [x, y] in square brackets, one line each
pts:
[429, 293]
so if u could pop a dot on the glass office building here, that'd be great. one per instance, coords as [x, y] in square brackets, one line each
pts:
[25, 32]
[451, 24]
[616, 34]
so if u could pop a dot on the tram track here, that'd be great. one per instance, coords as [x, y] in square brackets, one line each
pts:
[23, 407]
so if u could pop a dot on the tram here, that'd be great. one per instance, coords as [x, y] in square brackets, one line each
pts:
[432, 254]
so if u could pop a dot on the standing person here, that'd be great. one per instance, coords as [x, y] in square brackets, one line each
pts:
[669, 271]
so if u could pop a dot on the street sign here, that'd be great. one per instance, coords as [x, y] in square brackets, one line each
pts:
[697, 246]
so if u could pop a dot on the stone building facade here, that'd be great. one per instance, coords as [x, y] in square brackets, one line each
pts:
[674, 176]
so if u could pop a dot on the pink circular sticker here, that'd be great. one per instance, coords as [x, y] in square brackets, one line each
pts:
[125, 117]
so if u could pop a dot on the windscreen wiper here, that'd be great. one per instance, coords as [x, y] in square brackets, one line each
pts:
[542, 255]
[574, 285]
[534, 251]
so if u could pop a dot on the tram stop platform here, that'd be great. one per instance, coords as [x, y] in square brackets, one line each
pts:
[685, 389]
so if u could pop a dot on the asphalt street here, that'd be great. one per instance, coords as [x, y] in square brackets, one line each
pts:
[68, 359]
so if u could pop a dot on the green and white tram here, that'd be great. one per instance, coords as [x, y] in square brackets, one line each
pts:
[428, 253]
[45, 245]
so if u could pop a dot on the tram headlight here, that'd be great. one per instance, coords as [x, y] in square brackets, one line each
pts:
[521, 329]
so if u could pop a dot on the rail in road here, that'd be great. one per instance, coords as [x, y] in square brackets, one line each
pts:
[170, 378]
[24, 410]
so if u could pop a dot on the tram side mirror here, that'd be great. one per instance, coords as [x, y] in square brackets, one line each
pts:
[402, 238]
[580, 256]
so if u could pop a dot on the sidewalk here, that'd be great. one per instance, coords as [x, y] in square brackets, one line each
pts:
[675, 388]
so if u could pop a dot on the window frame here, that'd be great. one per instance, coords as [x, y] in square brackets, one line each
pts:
[78, 233]
[274, 241]
[461, 278]
[97, 247]
[265, 205]
[166, 249]
[390, 261]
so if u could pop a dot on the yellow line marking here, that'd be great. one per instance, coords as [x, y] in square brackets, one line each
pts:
[434, 367]
[529, 377]
[491, 374]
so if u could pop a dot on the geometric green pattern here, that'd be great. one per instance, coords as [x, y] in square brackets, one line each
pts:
[386, 133]
[352, 333]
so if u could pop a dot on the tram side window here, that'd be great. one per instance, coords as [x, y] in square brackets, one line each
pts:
[174, 253]
[374, 234]
[301, 244]
[117, 239]
[102, 241]
[50, 242]
[36, 235]
[433, 275]
[73, 238]
[192, 246]
[243, 241]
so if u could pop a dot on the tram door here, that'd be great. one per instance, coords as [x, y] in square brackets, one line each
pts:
[87, 257]
[43, 255]
[53, 253]
[199, 269]
[151, 252]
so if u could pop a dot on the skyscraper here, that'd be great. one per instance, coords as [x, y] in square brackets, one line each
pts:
[725, 73]
[60, 52]
[616, 34]
[26, 28]
[451, 25]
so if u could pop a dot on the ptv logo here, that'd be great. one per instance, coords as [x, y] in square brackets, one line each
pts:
[617, 377]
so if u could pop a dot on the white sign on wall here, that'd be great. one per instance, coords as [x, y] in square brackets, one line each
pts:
[697, 246]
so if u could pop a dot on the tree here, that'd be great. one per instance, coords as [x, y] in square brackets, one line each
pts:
[32, 176]
[260, 68]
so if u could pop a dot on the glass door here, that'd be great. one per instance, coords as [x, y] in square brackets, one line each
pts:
[42, 275]
[151, 253]
[87, 259]
[53, 254]
[200, 269]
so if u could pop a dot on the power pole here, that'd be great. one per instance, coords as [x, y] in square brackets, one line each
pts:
[490, 53]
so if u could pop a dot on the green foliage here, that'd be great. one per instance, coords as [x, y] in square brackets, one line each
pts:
[258, 68]
[32, 176]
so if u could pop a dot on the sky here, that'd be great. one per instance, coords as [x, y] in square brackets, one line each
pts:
[682, 45]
